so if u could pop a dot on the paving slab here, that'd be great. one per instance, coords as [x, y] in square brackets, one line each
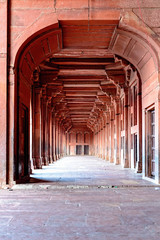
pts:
[85, 200]
[68, 214]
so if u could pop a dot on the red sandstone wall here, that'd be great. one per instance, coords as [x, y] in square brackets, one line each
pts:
[3, 89]
[26, 14]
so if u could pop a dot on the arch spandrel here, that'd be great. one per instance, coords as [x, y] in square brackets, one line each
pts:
[47, 22]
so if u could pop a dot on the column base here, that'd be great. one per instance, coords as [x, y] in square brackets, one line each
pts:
[38, 162]
[45, 161]
[138, 167]
[126, 164]
[107, 158]
[50, 159]
[111, 160]
[34, 163]
[117, 161]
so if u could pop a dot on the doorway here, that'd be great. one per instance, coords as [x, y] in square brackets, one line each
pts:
[23, 161]
[135, 150]
[86, 149]
[150, 143]
[78, 149]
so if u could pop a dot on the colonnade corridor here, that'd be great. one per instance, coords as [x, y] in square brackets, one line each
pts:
[81, 198]
[80, 120]
[87, 171]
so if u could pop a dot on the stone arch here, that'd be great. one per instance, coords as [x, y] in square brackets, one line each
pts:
[32, 49]
[136, 43]
[46, 23]
[28, 52]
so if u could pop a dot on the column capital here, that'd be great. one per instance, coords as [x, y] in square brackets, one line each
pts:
[117, 99]
[36, 75]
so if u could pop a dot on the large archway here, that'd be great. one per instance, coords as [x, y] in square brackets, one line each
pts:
[95, 89]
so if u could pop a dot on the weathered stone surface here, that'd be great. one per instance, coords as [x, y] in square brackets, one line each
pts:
[81, 212]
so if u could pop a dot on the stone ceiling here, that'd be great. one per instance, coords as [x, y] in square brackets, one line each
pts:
[84, 77]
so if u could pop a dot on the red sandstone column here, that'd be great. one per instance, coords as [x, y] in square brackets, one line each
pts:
[11, 116]
[53, 136]
[100, 134]
[101, 131]
[99, 140]
[111, 159]
[56, 138]
[96, 146]
[46, 134]
[129, 132]
[59, 140]
[107, 136]
[3, 91]
[126, 160]
[117, 117]
[44, 130]
[104, 138]
[49, 133]
[37, 128]
[65, 143]
[95, 142]
[67, 146]
[62, 141]
[139, 128]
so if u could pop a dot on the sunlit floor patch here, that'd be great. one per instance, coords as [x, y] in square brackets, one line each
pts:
[85, 171]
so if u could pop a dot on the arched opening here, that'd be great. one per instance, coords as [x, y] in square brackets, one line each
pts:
[85, 97]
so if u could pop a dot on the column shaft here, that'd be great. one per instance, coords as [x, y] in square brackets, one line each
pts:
[37, 128]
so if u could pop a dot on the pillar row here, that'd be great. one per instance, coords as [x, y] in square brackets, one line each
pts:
[117, 131]
[126, 106]
[37, 161]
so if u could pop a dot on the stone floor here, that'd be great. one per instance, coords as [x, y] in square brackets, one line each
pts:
[83, 171]
[81, 199]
